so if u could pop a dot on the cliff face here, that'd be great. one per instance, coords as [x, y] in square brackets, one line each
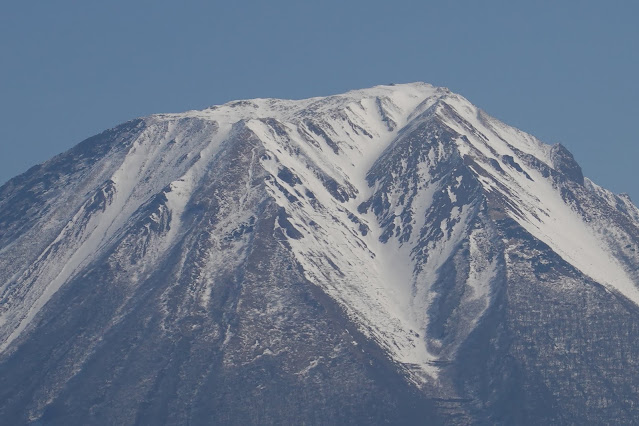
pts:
[387, 255]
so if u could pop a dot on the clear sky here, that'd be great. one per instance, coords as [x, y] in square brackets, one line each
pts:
[565, 71]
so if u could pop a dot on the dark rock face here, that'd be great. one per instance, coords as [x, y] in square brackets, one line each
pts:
[384, 256]
[564, 163]
[549, 327]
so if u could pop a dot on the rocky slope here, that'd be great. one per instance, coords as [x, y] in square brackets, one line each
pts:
[391, 254]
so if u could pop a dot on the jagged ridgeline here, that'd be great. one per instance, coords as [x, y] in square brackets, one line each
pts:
[389, 255]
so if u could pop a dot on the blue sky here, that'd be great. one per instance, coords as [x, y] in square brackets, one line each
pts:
[564, 71]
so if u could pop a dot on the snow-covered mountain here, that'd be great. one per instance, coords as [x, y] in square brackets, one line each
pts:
[392, 254]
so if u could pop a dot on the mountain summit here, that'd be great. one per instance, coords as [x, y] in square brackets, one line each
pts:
[389, 255]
